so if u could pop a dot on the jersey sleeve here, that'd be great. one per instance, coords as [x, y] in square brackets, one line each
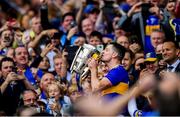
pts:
[116, 76]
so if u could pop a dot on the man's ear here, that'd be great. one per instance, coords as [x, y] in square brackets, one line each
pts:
[178, 52]
[115, 54]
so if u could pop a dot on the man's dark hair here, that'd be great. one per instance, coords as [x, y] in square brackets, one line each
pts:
[29, 90]
[6, 59]
[21, 102]
[171, 41]
[133, 39]
[68, 14]
[96, 34]
[119, 49]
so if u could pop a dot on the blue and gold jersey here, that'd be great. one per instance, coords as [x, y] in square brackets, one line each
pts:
[119, 79]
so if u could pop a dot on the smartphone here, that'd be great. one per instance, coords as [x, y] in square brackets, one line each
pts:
[100, 48]
[51, 100]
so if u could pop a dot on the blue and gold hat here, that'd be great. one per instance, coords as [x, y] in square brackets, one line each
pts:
[150, 57]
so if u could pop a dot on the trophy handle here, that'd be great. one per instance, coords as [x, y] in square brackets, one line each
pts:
[74, 60]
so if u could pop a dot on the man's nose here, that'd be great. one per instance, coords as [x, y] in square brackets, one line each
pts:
[9, 69]
[164, 52]
[32, 101]
[156, 40]
[102, 52]
[151, 65]
[49, 81]
[59, 66]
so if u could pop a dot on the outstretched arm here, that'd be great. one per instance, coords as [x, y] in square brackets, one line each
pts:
[94, 106]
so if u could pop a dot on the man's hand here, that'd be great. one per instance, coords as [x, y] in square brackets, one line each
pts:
[92, 64]
[101, 4]
[143, 73]
[146, 83]
[43, 2]
[170, 83]
[12, 76]
[155, 10]
[49, 32]
[135, 8]
[48, 48]
[71, 32]
[55, 106]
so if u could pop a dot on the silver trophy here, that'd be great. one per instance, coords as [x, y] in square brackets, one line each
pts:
[79, 64]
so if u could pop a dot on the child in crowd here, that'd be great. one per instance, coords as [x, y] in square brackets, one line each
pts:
[57, 102]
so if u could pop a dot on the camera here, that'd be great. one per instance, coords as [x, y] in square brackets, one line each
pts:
[73, 24]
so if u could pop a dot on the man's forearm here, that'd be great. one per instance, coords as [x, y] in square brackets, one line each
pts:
[4, 86]
[35, 42]
[94, 80]
[27, 84]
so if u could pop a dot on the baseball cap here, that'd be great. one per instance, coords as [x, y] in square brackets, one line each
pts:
[150, 57]
[91, 9]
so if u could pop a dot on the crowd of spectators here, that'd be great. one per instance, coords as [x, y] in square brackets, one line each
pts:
[137, 74]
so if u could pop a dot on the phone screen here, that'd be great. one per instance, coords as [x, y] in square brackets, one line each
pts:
[100, 48]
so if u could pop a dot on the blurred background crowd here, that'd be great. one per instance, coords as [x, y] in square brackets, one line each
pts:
[136, 75]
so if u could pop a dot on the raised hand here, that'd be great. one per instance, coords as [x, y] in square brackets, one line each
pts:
[12, 76]
[92, 64]
[49, 32]
[43, 2]
[71, 32]
[135, 8]
[155, 10]
[48, 48]
[146, 83]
